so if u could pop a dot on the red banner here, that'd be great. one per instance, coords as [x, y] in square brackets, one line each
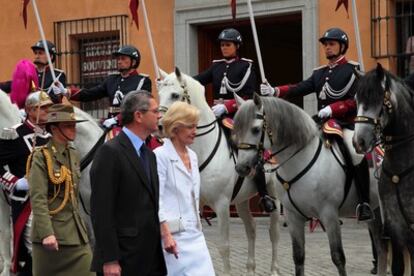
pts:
[233, 9]
[133, 7]
[340, 3]
[24, 12]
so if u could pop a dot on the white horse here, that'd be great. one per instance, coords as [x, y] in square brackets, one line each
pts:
[88, 134]
[311, 177]
[218, 178]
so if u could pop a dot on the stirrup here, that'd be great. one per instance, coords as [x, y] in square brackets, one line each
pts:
[358, 212]
[268, 203]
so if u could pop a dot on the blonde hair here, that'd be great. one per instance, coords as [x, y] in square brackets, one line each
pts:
[179, 114]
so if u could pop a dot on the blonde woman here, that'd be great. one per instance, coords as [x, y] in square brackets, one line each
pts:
[185, 248]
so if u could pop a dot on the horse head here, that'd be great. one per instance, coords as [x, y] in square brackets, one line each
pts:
[249, 134]
[376, 106]
[268, 123]
[178, 86]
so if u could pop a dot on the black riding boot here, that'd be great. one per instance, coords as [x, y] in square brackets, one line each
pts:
[363, 210]
[267, 202]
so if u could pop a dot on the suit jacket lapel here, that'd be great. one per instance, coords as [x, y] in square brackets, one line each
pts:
[133, 157]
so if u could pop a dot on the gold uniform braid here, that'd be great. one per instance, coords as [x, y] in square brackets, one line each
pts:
[57, 179]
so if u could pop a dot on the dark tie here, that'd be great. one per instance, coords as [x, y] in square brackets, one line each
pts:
[143, 153]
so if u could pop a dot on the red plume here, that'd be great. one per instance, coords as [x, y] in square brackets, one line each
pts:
[340, 3]
[24, 76]
[233, 9]
[24, 12]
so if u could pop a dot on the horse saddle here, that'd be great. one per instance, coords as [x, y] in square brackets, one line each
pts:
[227, 123]
[332, 130]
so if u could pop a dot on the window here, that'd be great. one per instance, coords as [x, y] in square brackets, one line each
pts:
[392, 31]
[85, 49]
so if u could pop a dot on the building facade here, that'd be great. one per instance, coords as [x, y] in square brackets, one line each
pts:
[185, 32]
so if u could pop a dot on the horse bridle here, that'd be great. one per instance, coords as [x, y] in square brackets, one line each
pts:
[186, 98]
[376, 122]
[260, 146]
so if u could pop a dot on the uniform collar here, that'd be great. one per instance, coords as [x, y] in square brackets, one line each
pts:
[34, 127]
[58, 147]
[231, 60]
[339, 61]
[133, 73]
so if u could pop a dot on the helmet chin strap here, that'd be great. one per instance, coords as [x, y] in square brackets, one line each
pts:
[64, 135]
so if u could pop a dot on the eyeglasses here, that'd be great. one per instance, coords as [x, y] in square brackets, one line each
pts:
[155, 110]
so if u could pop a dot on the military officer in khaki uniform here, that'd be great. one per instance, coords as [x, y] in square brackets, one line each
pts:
[60, 241]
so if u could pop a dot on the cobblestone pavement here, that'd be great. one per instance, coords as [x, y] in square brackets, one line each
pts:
[318, 261]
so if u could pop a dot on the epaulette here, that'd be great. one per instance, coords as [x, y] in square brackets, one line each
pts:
[320, 67]
[355, 63]
[144, 75]
[218, 60]
[248, 60]
[59, 70]
[9, 134]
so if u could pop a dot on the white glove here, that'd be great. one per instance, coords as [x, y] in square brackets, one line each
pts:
[266, 89]
[22, 184]
[219, 109]
[59, 89]
[325, 112]
[108, 123]
[118, 97]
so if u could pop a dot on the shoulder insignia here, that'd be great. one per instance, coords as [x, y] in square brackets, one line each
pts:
[320, 67]
[59, 70]
[248, 60]
[353, 62]
[143, 75]
[9, 134]
[218, 60]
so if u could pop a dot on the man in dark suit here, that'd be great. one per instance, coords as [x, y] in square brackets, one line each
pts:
[124, 200]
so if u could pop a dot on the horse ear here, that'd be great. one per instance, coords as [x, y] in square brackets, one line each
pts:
[163, 74]
[257, 101]
[239, 100]
[358, 73]
[380, 71]
[178, 73]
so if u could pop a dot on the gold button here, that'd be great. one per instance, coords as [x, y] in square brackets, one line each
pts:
[286, 186]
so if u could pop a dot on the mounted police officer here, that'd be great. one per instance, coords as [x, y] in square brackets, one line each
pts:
[43, 71]
[230, 75]
[334, 85]
[59, 236]
[117, 85]
[15, 146]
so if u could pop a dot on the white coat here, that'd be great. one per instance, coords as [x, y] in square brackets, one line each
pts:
[179, 197]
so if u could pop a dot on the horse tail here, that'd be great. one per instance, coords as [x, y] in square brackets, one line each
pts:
[24, 77]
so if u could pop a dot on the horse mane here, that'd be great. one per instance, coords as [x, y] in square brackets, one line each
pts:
[289, 124]
[23, 75]
[372, 86]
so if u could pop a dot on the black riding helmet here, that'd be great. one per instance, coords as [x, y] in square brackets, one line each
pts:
[230, 35]
[50, 47]
[130, 51]
[337, 35]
